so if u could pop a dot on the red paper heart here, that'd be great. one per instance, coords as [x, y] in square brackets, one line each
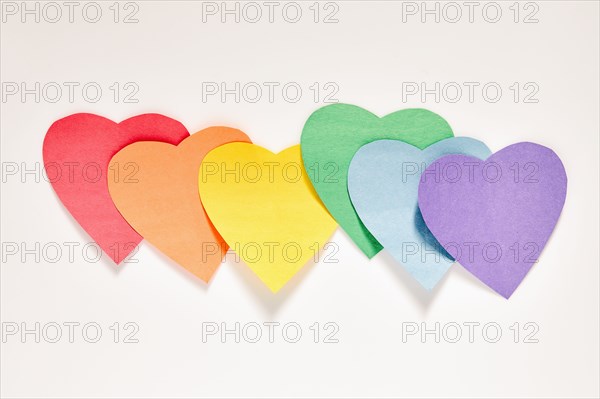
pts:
[77, 150]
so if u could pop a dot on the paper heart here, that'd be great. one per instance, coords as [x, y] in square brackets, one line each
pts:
[495, 216]
[383, 182]
[265, 208]
[161, 199]
[331, 137]
[77, 150]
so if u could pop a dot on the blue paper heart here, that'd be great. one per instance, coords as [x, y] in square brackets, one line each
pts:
[383, 182]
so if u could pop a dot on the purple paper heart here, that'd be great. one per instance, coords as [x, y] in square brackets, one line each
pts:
[495, 216]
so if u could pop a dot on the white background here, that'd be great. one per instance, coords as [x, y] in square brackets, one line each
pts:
[369, 53]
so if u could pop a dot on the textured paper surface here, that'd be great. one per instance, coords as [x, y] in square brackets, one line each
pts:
[265, 207]
[331, 137]
[383, 182]
[495, 216]
[161, 200]
[77, 150]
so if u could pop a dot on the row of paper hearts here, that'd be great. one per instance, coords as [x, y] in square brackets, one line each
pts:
[402, 182]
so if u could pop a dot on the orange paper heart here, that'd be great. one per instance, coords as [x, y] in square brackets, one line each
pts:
[156, 191]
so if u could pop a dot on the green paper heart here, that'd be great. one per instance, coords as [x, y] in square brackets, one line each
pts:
[331, 137]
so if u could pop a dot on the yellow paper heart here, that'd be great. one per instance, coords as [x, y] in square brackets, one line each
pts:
[264, 206]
